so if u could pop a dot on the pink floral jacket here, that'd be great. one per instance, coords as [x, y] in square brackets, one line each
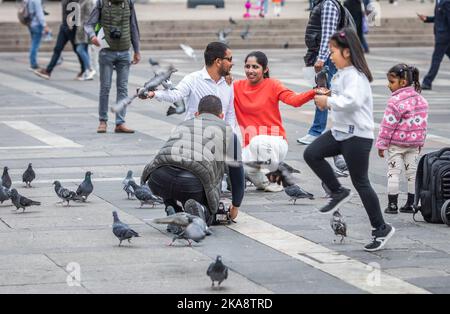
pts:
[405, 120]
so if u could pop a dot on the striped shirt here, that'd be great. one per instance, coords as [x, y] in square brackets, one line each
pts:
[330, 21]
[197, 85]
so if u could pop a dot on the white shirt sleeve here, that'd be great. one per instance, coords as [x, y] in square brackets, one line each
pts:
[230, 115]
[182, 90]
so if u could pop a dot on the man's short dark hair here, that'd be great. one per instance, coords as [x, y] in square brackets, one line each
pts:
[213, 51]
[210, 104]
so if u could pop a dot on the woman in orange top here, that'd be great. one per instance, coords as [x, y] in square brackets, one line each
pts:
[256, 103]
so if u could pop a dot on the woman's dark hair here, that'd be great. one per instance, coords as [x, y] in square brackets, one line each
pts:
[261, 59]
[408, 73]
[347, 38]
[215, 50]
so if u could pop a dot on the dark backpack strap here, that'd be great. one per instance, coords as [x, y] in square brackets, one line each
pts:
[419, 182]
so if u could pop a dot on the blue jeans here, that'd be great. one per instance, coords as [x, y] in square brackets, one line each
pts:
[36, 35]
[120, 61]
[320, 118]
[82, 51]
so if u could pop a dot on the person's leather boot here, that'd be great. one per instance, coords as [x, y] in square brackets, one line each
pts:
[102, 127]
[121, 128]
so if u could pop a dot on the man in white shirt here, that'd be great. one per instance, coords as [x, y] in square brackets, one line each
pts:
[208, 81]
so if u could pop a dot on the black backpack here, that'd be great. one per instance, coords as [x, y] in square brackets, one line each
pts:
[433, 187]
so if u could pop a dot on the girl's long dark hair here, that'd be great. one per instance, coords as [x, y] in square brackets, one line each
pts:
[408, 73]
[261, 59]
[347, 38]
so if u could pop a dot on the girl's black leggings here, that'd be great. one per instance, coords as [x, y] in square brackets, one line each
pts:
[356, 151]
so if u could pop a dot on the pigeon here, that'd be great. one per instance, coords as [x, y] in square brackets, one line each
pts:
[182, 219]
[21, 201]
[189, 51]
[86, 187]
[28, 176]
[122, 231]
[296, 192]
[6, 179]
[246, 32]
[177, 107]
[230, 19]
[172, 228]
[145, 195]
[286, 45]
[194, 231]
[4, 193]
[340, 163]
[65, 194]
[217, 271]
[338, 225]
[153, 62]
[126, 184]
[223, 34]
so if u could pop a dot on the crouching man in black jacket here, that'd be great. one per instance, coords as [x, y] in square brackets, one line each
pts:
[189, 168]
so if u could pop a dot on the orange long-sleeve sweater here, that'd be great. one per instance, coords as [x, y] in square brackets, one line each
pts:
[257, 108]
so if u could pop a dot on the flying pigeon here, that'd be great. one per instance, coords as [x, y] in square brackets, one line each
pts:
[86, 187]
[153, 62]
[177, 107]
[338, 225]
[28, 176]
[189, 51]
[4, 193]
[194, 231]
[6, 179]
[245, 32]
[230, 19]
[217, 271]
[223, 34]
[145, 195]
[126, 184]
[21, 201]
[122, 231]
[66, 195]
[296, 192]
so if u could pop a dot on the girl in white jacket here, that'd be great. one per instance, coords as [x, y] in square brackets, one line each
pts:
[351, 107]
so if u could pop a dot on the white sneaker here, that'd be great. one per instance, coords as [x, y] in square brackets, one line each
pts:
[307, 139]
[90, 74]
[273, 187]
[258, 179]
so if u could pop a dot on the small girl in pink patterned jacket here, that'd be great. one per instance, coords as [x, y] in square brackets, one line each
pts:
[403, 132]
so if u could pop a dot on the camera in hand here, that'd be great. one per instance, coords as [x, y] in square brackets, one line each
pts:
[222, 216]
[115, 33]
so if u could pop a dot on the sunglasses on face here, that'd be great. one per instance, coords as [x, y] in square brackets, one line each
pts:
[230, 59]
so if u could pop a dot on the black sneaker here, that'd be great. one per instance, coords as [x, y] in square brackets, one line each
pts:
[391, 209]
[425, 87]
[194, 208]
[407, 209]
[380, 238]
[336, 200]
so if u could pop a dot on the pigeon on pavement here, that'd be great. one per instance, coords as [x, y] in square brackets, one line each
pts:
[217, 271]
[296, 192]
[153, 62]
[122, 231]
[28, 176]
[145, 195]
[6, 179]
[338, 225]
[65, 194]
[86, 187]
[21, 201]
[194, 231]
[126, 184]
[4, 193]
